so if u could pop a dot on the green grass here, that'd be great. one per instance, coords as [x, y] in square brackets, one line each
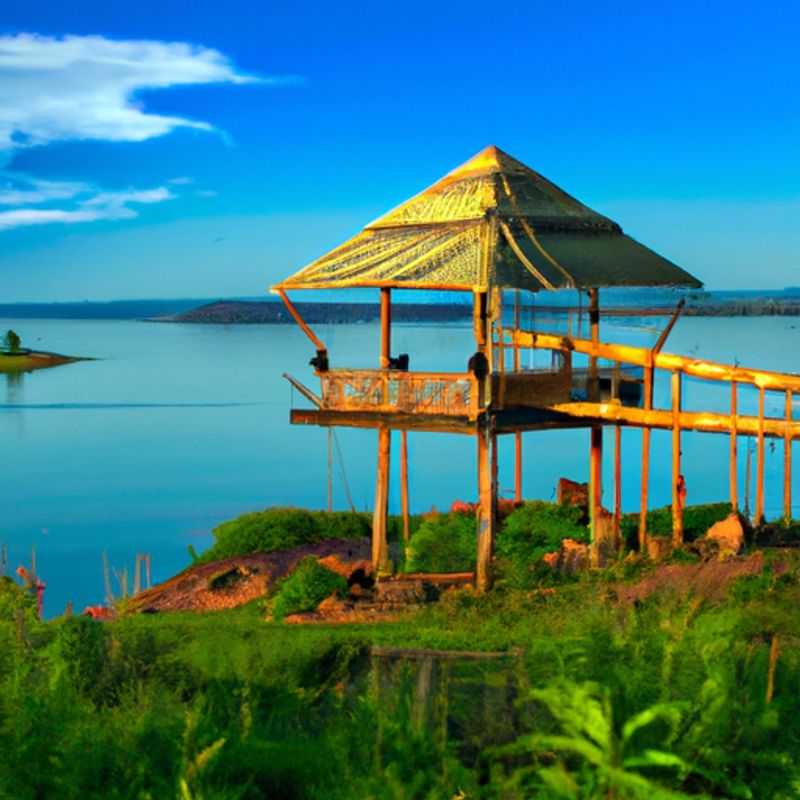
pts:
[225, 705]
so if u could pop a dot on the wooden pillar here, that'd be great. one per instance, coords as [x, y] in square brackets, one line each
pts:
[380, 545]
[734, 465]
[677, 480]
[595, 487]
[760, 466]
[517, 314]
[330, 470]
[404, 485]
[386, 327]
[617, 484]
[518, 466]
[787, 462]
[596, 441]
[645, 481]
[487, 507]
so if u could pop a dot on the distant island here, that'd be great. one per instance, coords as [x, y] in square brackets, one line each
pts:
[271, 312]
[16, 358]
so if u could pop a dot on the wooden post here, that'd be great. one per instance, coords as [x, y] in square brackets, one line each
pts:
[479, 319]
[596, 442]
[787, 463]
[760, 466]
[617, 484]
[487, 495]
[517, 313]
[677, 498]
[734, 467]
[645, 482]
[595, 488]
[330, 470]
[380, 545]
[404, 485]
[386, 327]
[518, 466]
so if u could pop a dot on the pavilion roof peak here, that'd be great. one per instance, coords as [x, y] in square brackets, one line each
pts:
[491, 222]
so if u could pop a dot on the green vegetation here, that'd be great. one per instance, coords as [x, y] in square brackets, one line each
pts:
[668, 698]
[443, 543]
[12, 342]
[282, 528]
[696, 521]
[308, 585]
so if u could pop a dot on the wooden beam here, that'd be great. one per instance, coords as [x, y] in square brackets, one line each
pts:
[518, 466]
[760, 466]
[734, 463]
[487, 494]
[432, 423]
[617, 484]
[677, 477]
[380, 544]
[662, 340]
[304, 390]
[787, 463]
[301, 322]
[386, 327]
[479, 320]
[639, 356]
[404, 485]
[705, 422]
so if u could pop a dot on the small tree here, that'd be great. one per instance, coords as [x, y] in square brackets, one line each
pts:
[12, 341]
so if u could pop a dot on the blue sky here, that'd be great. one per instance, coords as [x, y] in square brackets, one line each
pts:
[170, 149]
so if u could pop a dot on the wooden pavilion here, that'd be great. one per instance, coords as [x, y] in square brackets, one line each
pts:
[492, 225]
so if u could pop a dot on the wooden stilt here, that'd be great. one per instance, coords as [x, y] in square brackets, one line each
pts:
[734, 466]
[518, 467]
[404, 485]
[517, 313]
[386, 327]
[595, 489]
[380, 545]
[787, 463]
[330, 470]
[487, 494]
[760, 463]
[677, 477]
[617, 484]
[645, 481]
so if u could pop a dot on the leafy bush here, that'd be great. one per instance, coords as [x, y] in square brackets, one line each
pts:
[13, 599]
[81, 647]
[696, 521]
[282, 528]
[306, 588]
[531, 531]
[443, 543]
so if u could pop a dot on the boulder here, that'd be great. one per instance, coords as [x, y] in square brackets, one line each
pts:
[574, 556]
[353, 571]
[576, 494]
[729, 534]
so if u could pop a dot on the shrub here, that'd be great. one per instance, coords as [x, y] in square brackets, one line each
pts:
[443, 543]
[696, 521]
[13, 599]
[81, 647]
[306, 588]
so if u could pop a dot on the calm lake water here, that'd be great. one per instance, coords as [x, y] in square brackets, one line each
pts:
[176, 428]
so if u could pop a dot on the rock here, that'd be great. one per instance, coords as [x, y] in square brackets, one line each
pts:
[573, 556]
[576, 494]
[99, 612]
[659, 547]
[359, 570]
[729, 534]
[331, 606]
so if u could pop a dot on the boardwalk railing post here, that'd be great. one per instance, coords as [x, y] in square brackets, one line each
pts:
[734, 467]
[760, 465]
[404, 486]
[677, 477]
[645, 481]
[787, 462]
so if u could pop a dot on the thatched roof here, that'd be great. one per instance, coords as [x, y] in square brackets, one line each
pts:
[493, 222]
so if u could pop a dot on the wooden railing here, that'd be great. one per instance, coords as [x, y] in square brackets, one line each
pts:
[675, 418]
[393, 391]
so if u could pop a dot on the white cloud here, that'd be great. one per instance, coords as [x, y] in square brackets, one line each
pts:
[20, 190]
[85, 87]
[97, 206]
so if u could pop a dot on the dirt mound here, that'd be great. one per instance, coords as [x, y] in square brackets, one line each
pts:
[235, 581]
[708, 580]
